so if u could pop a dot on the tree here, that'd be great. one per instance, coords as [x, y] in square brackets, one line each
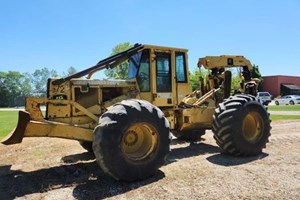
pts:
[39, 80]
[195, 76]
[121, 71]
[4, 90]
[26, 89]
[14, 87]
[256, 74]
[70, 71]
[235, 80]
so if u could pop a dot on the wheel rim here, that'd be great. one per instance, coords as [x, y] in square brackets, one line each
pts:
[139, 141]
[252, 127]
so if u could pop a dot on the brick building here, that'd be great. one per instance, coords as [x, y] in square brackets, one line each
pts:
[281, 85]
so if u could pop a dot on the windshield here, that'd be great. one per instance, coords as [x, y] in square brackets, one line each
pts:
[134, 62]
[139, 68]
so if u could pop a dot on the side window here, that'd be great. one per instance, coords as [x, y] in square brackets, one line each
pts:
[180, 68]
[143, 75]
[163, 73]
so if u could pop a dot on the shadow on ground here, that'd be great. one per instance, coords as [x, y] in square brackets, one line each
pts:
[82, 171]
[228, 160]
[193, 149]
[89, 180]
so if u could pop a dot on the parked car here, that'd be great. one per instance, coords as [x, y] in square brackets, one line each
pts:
[264, 97]
[288, 99]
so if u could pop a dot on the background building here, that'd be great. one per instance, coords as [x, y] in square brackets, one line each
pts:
[281, 85]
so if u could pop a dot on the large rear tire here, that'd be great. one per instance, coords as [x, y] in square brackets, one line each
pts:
[241, 126]
[132, 140]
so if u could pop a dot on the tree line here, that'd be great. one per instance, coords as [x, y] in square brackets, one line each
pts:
[15, 86]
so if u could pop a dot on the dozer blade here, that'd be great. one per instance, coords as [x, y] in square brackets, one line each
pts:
[16, 136]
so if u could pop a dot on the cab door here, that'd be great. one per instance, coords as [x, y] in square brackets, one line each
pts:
[182, 79]
[163, 83]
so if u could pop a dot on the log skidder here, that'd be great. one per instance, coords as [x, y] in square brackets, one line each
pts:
[241, 125]
[132, 140]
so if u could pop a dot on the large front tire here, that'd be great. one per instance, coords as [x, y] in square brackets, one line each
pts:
[241, 126]
[132, 140]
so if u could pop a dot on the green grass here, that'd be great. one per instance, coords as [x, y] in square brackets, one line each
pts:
[284, 108]
[8, 121]
[284, 117]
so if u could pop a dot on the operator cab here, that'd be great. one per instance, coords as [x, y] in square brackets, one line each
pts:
[161, 74]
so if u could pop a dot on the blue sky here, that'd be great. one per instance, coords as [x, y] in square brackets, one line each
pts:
[58, 34]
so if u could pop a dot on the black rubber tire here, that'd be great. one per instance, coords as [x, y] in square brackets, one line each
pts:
[108, 140]
[87, 146]
[227, 84]
[276, 103]
[229, 119]
[190, 136]
[292, 102]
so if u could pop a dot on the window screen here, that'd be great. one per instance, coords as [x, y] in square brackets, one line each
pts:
[180, 68]
[143, 75]
[163, 72]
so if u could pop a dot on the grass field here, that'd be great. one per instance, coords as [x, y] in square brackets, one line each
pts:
[284, 117]
[8, 121]
[284, 108]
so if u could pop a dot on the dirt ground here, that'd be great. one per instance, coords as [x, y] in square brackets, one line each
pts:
[50, 168]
